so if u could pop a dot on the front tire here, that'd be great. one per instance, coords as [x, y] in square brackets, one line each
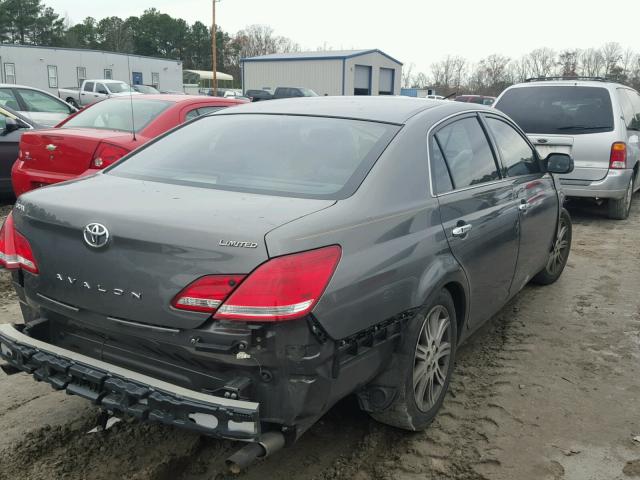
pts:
[559, 253]
[426, 358]
[619, 208]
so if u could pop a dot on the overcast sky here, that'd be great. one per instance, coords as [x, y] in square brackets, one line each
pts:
[418, 32]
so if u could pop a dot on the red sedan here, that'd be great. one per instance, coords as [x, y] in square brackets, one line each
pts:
[101, 134]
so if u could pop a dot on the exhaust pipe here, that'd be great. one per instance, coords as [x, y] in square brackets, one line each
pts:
[268, 444]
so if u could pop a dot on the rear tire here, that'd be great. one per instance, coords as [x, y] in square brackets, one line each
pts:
[426, 358]
[72, 102]
[559, 253]
[619, 208]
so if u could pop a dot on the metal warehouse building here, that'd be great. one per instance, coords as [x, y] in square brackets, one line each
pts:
[339, 72]
[52, 68]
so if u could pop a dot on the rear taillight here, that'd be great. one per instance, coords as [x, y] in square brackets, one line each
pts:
[618, 158]
[206, 293]
[106, 154]
[15, 251]
[283, 288]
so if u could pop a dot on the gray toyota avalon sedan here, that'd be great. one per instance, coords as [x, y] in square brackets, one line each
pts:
[241, 274]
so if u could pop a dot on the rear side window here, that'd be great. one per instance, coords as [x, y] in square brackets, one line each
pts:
[289, 155]
[8, 99]
[117, 115]
[568, 110]
[440, 178]
[633, 105]
[467, 153]
[88, 87]
[517, 156]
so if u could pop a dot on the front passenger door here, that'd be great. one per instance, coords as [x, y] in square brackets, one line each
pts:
[536, 195]
[478, 212]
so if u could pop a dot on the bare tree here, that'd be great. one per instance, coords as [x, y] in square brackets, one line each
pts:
[591, 62]
[519, 70]
[568, 63]
[420, 81]
[542, 62]
[611, 55]
[407, 75]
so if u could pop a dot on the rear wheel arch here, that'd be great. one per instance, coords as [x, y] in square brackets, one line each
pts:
[459, 296]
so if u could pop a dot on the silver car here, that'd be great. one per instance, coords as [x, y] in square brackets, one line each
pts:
[37, 105]
[597, 122]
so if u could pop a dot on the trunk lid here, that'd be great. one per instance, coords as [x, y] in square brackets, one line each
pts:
[67, 151]
[590, 152]
[162, 238]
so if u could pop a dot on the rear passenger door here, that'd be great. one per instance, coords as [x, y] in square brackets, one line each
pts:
[631, 111]
[478, 210]
[535, 193]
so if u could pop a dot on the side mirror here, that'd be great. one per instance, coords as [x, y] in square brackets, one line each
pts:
[11, 125]
[559, 163]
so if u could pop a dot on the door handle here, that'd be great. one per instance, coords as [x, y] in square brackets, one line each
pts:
[524, 206]
[461, 230]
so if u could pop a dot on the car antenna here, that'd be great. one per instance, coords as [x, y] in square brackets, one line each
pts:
[133, 127]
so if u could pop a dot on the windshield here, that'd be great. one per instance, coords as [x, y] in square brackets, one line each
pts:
[307, 92]
[145, 89]
[559, 109]
[300, 156]
[118, 87]
[114, 114]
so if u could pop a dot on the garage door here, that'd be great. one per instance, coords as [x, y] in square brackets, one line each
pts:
[362, 83]
[386, 81]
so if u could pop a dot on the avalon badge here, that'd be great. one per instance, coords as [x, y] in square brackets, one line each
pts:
[96, 235]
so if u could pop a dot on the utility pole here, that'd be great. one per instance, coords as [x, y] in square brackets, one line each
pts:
[214, 56]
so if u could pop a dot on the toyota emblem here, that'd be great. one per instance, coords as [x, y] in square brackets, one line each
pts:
[96, 235]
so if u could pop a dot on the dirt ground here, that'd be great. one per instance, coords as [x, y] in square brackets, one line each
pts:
[548, 389]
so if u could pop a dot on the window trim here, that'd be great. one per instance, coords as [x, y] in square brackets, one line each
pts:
[81, 78]
[444, 123]
[483, 116]
[6, 75]
[49, 77]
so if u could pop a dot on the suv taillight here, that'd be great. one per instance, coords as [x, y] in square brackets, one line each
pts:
[283, 288]
[106, 154]
[618, 157]
[15, 251]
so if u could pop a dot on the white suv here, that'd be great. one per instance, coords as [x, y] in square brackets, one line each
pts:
[596, 121]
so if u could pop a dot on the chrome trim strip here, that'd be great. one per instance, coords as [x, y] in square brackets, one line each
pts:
[14, 335]
[60, 304]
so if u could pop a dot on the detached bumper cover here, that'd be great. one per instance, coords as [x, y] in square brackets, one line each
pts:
[121, 390]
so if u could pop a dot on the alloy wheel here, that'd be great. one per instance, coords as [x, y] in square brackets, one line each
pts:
[432, 357]
[560, 250]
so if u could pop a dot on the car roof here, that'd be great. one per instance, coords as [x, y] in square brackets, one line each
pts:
[568, 82]
[14, 85]
[186, 99]
[389, 109]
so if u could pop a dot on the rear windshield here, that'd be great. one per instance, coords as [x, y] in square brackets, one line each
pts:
[559, 109]
[117, 115]
[299, 156]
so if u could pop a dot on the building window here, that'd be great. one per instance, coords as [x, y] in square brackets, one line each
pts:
[10, 73]
[108, 74]
[385, 85]
[155, 79]
[82, 74]
[52, 73]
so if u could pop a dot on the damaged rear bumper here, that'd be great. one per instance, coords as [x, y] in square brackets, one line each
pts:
[122, 390]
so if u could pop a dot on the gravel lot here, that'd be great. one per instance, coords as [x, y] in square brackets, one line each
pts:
[549, 389]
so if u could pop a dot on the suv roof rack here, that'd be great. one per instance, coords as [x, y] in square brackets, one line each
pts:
[542, 79]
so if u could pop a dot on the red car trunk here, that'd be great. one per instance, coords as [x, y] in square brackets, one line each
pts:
[67, 151]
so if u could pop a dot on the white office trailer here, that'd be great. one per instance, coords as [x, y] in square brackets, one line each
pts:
[50, 68]
[339, 72]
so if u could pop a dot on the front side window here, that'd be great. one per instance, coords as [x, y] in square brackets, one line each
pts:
[10, 73]
[100, 88]
[117, 115]
[82, 75]
[41, 102]
[467, 153]
[517, 155]
[561, 110]
[52, 73]
[289, 155]
[119, 87]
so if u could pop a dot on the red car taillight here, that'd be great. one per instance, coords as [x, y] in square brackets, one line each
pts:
[618, 158]
[15, 251]
[283, 288]
[206, 293]
[106, 154]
